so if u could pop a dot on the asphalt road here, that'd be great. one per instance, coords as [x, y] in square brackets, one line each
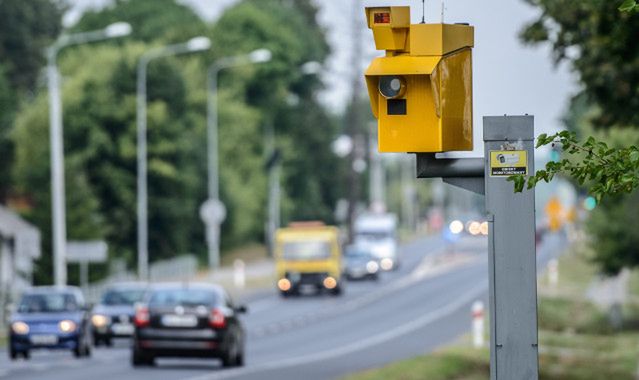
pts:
[421, 306]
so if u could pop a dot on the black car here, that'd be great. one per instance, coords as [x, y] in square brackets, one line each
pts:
[50, 317]
[360, 263]
[113, 316]
[188, 320]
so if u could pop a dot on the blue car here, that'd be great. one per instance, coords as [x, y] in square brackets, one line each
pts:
[50, 318]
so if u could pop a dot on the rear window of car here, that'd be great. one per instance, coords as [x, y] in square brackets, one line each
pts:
[182, 297]
[122, 297]
[48, 303]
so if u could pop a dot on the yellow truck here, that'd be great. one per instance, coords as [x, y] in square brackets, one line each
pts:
[307, 255]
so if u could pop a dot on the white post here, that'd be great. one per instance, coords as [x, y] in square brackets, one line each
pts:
[478, 324]
[57, 171]
[553, 272]
[239, 274]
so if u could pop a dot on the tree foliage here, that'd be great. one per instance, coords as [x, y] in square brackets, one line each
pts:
[598, 39]
[26, 29]
[151, 20]
[99, 105]
[601, 45]
[608, 170]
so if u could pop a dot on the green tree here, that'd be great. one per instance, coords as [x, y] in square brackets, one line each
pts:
[599, 152]
[304, 129]
[151, 20]
[26, 28]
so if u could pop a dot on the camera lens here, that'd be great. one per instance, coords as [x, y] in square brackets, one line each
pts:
[391, 86]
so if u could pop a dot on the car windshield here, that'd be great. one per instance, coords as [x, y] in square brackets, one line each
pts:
[352, 253]
[122, 297]
[306, 250]
[47, 303]
[182, 297]
[373, 235]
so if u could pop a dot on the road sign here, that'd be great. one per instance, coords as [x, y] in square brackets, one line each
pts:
[87, 251]
[504, 163]
[213, 211]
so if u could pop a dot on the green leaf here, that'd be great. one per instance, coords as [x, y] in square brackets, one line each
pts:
[541, 140]
[628, 5]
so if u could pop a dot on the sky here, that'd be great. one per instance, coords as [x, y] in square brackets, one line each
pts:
[509, 78]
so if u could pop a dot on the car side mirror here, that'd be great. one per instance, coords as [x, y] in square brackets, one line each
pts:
[242, 309]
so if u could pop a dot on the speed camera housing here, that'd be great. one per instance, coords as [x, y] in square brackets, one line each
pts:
[421, 90]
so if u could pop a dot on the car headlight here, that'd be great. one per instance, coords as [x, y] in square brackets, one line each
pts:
[386, 264]
[330, 283]
[372, 267]
[20, 328]
[99, 320]
[67, 326]
[284, 285]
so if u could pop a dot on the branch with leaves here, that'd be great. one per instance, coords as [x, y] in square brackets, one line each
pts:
[629, 6]
[608, 171]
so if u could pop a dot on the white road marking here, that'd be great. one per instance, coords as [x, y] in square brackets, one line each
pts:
[416, 324]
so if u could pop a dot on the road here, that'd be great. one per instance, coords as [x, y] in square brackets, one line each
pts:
[421, 306]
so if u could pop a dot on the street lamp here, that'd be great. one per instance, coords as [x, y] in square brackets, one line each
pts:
[119, 29]
[193, 45]
[213, 211]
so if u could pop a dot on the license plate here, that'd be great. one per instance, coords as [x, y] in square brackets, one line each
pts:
[122, 328]
[44, 339]
[179, 320]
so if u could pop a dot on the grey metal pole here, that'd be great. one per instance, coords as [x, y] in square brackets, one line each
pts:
[58, 212]
[193, 45]
[57, 170]
[213, 164]
[84, 274]
[273, 192]
[142, 204]
[511, 253]
[376, 181]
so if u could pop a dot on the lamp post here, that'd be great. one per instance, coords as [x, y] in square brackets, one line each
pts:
[59, 228]
[193, 45]
[213, 211]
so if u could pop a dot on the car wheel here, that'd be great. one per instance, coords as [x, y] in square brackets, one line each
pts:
[230, 357]
[139, 359]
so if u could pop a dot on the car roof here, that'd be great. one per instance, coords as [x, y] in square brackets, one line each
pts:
[52, 289]
[55, 289]
[186, 285]
[127, 285]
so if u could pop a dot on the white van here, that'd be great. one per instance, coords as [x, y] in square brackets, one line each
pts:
[377, 232]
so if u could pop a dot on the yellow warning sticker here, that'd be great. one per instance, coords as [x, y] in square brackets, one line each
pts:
[504, 163]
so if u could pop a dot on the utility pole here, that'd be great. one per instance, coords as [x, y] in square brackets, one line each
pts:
[377, 176]
[353, 120]
[273, 168]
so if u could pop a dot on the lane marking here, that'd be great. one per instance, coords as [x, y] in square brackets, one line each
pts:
[416, 324]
